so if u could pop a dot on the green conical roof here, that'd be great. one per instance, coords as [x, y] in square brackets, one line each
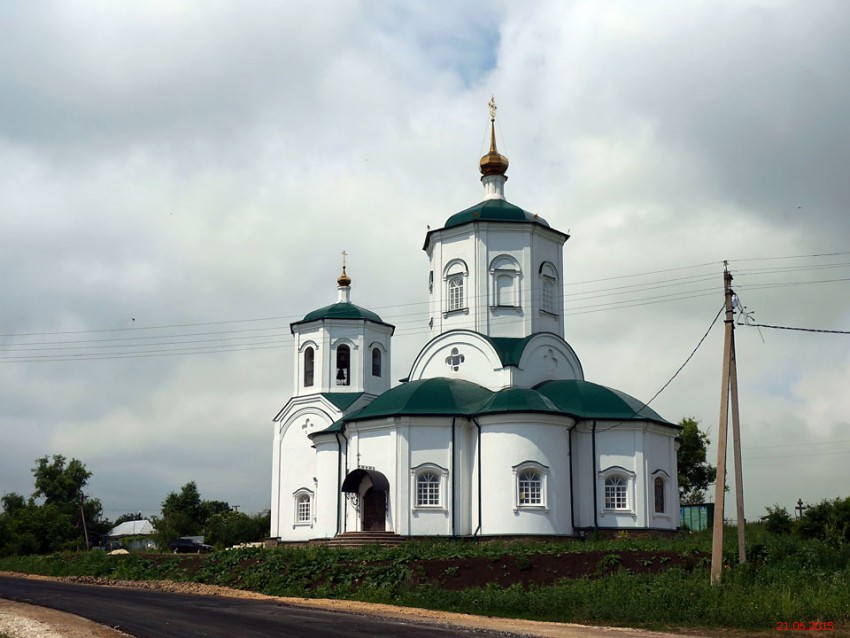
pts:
[494, 210]
[341, 310]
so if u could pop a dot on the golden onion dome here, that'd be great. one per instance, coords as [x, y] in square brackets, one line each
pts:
[344, 280]
[493, 163]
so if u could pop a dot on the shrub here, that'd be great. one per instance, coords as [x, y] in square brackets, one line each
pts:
[778, 521]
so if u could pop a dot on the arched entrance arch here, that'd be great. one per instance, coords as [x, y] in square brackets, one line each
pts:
[369, 489]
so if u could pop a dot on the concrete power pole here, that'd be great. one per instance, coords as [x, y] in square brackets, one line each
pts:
[729, 386]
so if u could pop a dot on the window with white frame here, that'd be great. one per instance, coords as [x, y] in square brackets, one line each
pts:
[531, 485]
[428, 484]
[456, 293]
[530, 488]
[455, 280]
[376, 362]
[309, 366]
[549, 298]
[616, 492]
[428, 489]
[660, 488]
[303, 507]
[505, 276]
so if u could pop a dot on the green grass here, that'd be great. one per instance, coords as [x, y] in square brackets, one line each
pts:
[787, 579]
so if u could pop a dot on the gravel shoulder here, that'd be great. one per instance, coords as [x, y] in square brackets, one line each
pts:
[14, 617]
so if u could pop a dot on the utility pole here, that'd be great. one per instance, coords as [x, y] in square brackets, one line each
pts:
[729, 386]
[736, 451]
[83, 517]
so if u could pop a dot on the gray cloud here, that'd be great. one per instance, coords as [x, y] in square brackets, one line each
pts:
[195, 164]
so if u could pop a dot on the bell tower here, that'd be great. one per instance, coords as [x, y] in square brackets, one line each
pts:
[341, 348]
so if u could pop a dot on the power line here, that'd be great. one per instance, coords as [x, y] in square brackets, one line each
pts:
[767, 325]
[675, 374]
[791, 257]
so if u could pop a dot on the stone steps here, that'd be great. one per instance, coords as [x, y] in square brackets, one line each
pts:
[358, 539]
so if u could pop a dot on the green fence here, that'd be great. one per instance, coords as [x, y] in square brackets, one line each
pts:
[696, 517]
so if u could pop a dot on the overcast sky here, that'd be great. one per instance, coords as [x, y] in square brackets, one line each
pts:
[178, 179]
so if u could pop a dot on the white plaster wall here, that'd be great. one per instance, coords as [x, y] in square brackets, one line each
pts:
[660, 460]
[296, 469]
[329, 477]
[547, 246]
[584, 475]
[429, 445]
[325, 336]
[374, 444]
[314, 336]
[508, 441]
[380, 337]
[640, 449]
[547, 357]
[621, 446]
[481, 363]
[478, 245]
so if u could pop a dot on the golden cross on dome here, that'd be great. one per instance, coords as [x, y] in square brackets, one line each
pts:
[344, 255]
[492, 105]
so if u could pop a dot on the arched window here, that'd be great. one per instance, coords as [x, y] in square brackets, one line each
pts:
[549, 298]
[505, 274]
[454, 277]
[309, 366]
[343, 365]
[303, 502]
[530, 484]
[427, 489]
[616, 493]
[659, 495]
[548, 295]
[376, 362]
[456, 293]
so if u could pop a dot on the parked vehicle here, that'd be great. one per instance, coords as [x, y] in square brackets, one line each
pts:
[189, 546]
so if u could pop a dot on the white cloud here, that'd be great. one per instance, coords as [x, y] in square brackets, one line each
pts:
[167, 164]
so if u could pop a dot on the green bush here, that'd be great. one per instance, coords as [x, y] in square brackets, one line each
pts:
[778, 520]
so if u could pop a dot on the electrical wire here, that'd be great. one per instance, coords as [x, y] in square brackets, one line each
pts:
[767, 325]
[675, 374]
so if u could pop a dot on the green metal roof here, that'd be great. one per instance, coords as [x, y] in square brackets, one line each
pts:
[341, 310]
[509, 349]
[342, 400]
[591, 401]
[494, 210]
[441, 396]
[426, 397]
[518, 400]
[336, 426]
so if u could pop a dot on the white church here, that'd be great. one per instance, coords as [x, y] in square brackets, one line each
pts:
[493, 432]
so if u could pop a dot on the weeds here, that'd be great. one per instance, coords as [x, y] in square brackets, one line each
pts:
[787, 579]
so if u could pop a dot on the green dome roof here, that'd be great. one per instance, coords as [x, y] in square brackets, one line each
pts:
[494, 210]
[518, 400]
[591, 401]
[441, 396]
[341, 310]
[436, 396]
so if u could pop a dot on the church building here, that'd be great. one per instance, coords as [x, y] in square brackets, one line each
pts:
[494, 431]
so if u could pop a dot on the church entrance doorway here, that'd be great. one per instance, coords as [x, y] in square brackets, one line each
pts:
[374, 511]
[367, 491]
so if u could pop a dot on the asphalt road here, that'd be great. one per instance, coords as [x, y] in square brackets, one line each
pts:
[148, 614]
